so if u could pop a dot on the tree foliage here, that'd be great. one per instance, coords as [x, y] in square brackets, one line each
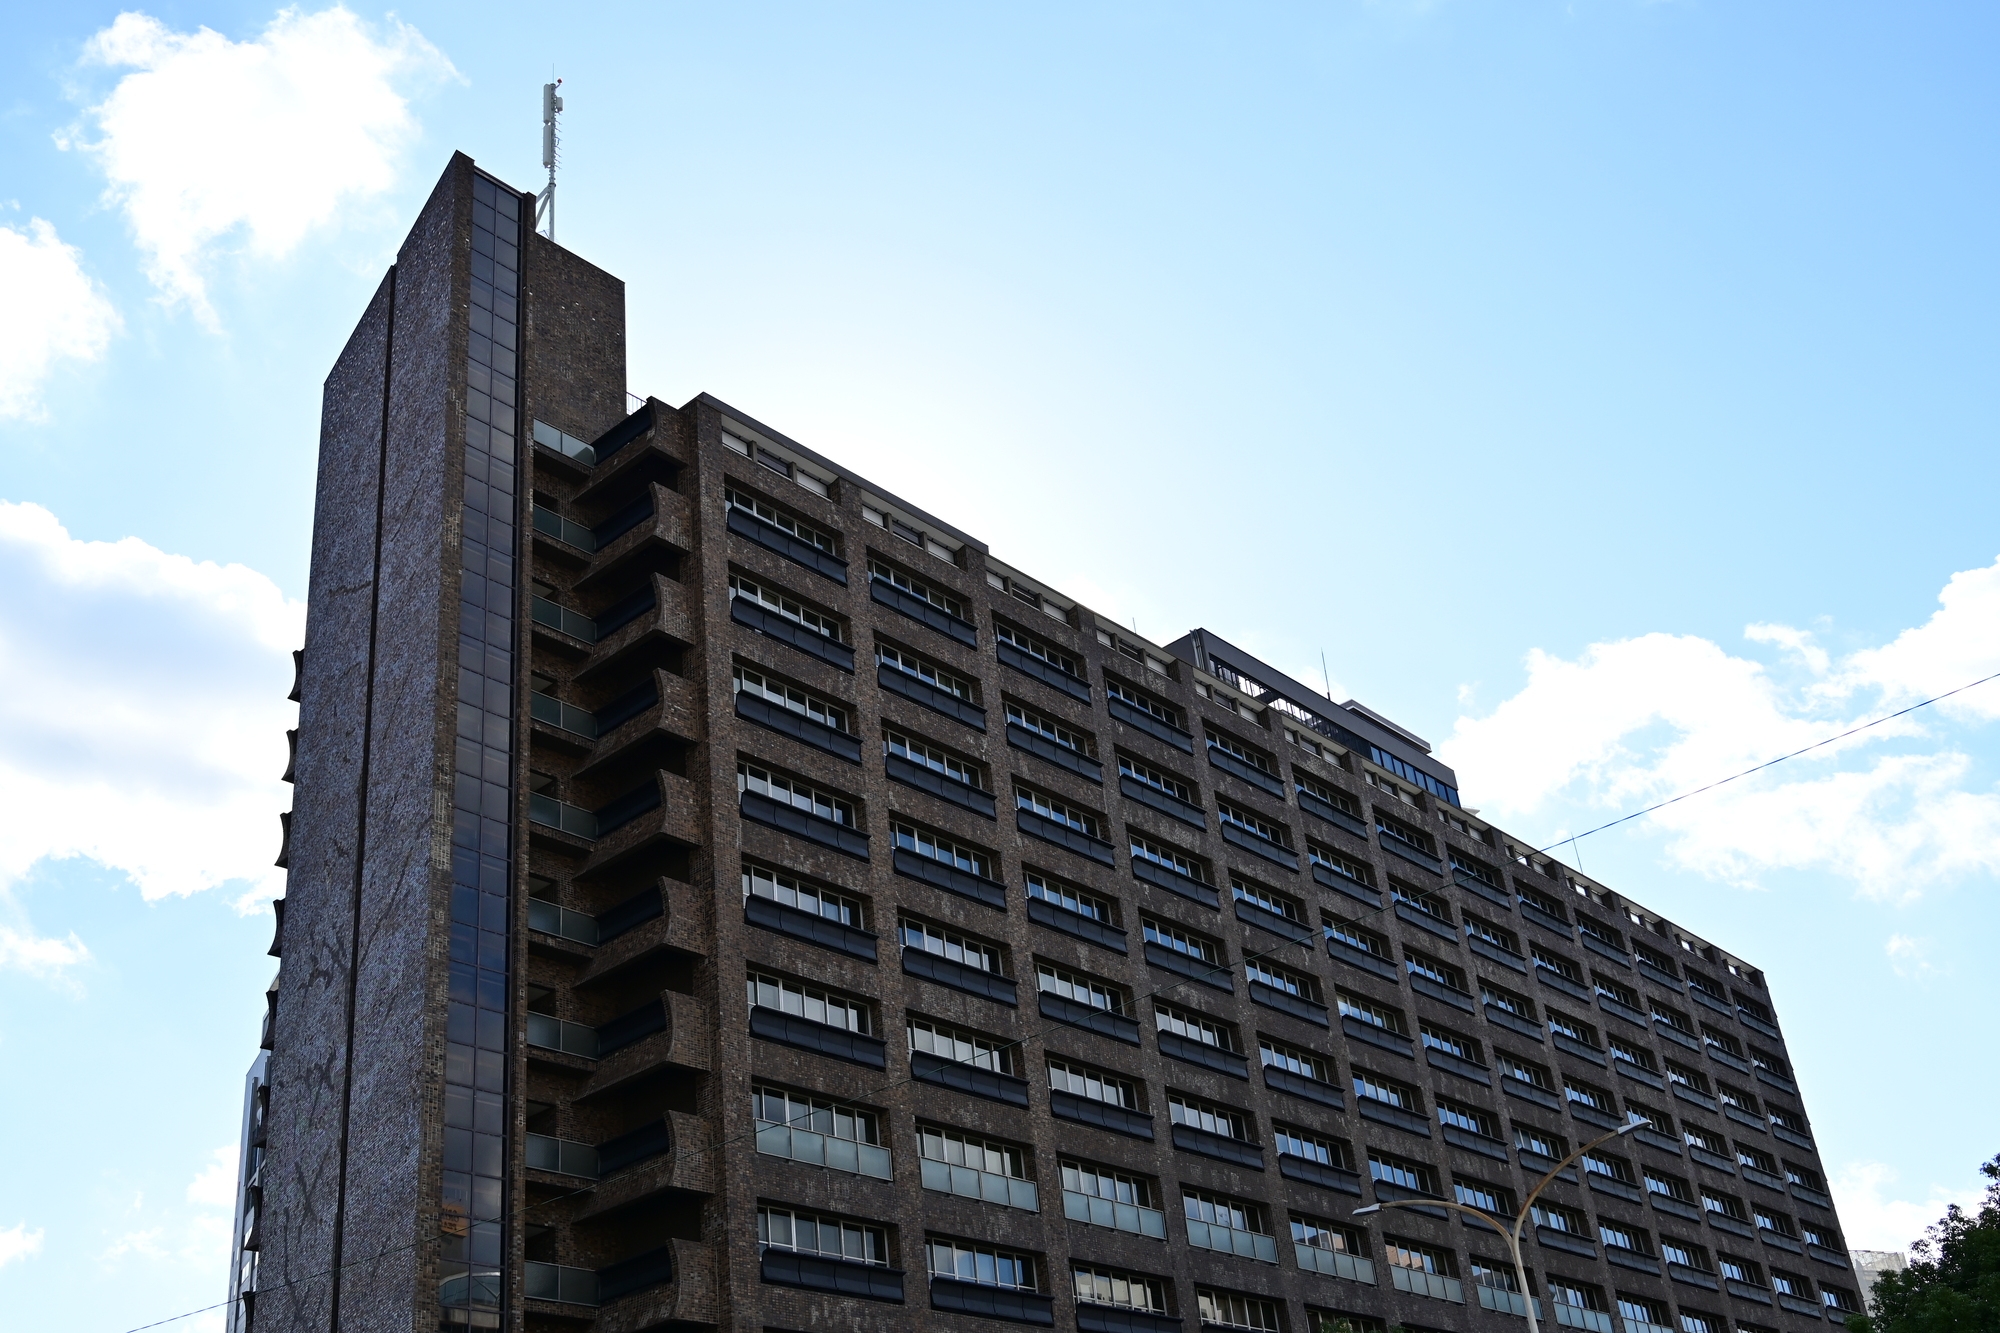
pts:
[1953, 1282]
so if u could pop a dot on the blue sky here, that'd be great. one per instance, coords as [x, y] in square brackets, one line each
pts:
[1605, 389]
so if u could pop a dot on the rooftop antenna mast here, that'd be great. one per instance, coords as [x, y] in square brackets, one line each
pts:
[545, 202]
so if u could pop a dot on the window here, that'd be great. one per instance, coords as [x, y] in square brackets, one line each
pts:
[1791, 1120]
[1115, 688]
[1801, 1175]
[1496, 997]
[1599, 1163]
[1079, 989]
[1481, 929]
[1736, 1097]
[1449, 1042]
[937, 1143]
[962, 1047]
[1775, 1221]
[1621, 1237]
[1130, 1291]
[1704, 1140]
[1575, 1294]
[1476, 1193]
[1054, 809]
[951, 945]
[1617, 993]
[1333, 796]
[1600, 932]
[1549, 961]
[1409, 1254]
[1654, 959]
[1541, 902]
[1228, 1309]
[1158, 779]
[1812, 1233]
[1693, 1321]
[1669, 1187]
[1471, 865]
[1281, 978]
[1754, 1008]
[1356, 937]
[1721, 1041]
[925, 755]
[1210, 1116]
[794, 792]
[830, 1237]
[1791, 1284]
[1584, 1094]
[1757, 1160]
[815, 1130]
[1739, 1270]
[1769, 1063]
[1193, 1026]
[1495, 1273]
[1657, 1121]
[1387, 1091]
[1692, 1079]
[1344, 866]
[1574, 1028]
[1367, 1011]
[1637, 1056]
[1541, 1142]
[1049, 729]
[1252, 823]
[1696, 981]
[1556, 1217]
[1124, 647]
[883, 572]
[962, 1261]
[1106, 1197]
[1040, 649]
[760, 508]
[783, 604]
[1278, 1055]
[1093, 1085]
[1642, 1311]
[1212, 1218]
[1685, 1254]
[1257, 759]
[1170, 936]
[1257, 895]
[937, 847]
[1525, 1071]
[1324, 1235]
[1070, 898]
[929, 672]
[1432, 906]
[1434, 969]
[808, 1002]
[1145, 849]
[1400, 1171]
[1021, 591]
[780, 887]
[791, 698]
[1468, 1118]
[1408, 835]
[1311, 1147]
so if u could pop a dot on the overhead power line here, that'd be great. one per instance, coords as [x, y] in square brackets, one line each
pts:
[1768, 763]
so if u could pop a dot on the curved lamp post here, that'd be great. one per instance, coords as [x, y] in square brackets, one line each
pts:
[1512, 1237]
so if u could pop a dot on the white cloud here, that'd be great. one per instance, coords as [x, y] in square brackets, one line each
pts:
[144, 721]
[55, 313]
[1639, 720]
[269, 137]
[1875, 1221]
[17, 1242]
[39, 956]
[215, 1185]
[1910, 958]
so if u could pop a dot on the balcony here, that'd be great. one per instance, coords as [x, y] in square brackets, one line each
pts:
[988, 1301]
[1486, 889]
[1327, 877]
[774, 1025]
[1102, 1212]
[1470, 1070]
[1309, 1172]
[1048, 673]
[836, 1277]
[551, 919]
[1510, 1020]
[1257, 844]
[566, 445]
[987, 985]
[562, 619]
[1394, 1116]
[1418, 1282]
[559, 1282]
[565, 1157]
[1104, 1115]
[1273, 997]
[563, 716]
[1298, 1085]
[1438, 990]
[1188, 1051]
[1498, 953]
[771, 537]
[1332, 814]
[1173, 807]
[1139, 719]
[1534, 915]
[549, 523]
[803, 824]
[1360, 1029]
[1342, 952]
[1095, 1318]
[1244, 771]
[1089, 928]
[1575, 1316]
[969, 1078]
[556, 1034]
[773, 717]
[942, 785]
[922, 692]
[1062, 756]
[799, 924]
[1397, 845]
[560, 815]
[1172, 880]
[754, 616]
[944, 875]
[1252, 913]
[923, 612]
[1335, 1263]
[1062, 835]
[1206, 1143]
[1230, 1240]
[1471, 1142]
[1075, 1014]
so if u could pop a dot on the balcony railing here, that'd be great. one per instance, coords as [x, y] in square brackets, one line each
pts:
[815, 1149]
[1230, 1240]
[566, 1156]
[547, 708]
[1335, 1263]
[1575, 1316]
[556, 1034]
[554, 920]
[1501, 1301]
[1418, 1282]
[573, 623]
[972, 1183]
[561, 815]
[559, 1282]
[568, 445]
[551, 524]
[1101, 1212]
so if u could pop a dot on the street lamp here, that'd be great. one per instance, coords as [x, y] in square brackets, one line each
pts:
[1513, 1237]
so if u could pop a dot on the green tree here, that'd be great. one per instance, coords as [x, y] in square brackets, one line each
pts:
[1953, 1282]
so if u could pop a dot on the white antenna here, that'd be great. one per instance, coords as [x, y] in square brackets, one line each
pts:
[545, 202]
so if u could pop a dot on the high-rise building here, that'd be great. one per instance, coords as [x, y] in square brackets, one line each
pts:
[722, 894]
